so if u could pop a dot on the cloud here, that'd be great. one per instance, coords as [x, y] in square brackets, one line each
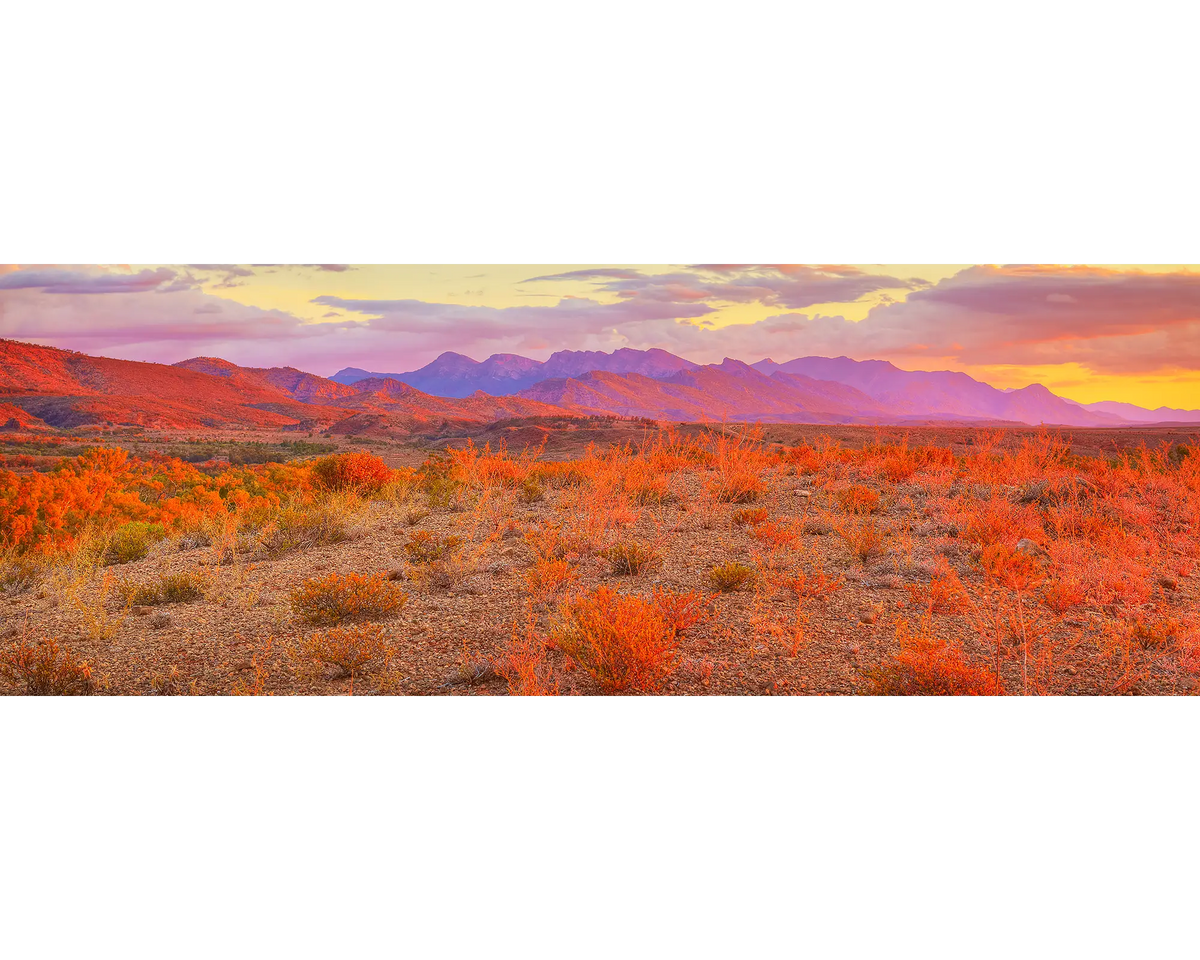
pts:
[790, 286]
[325, 267]
[86, 281]
[230, 269]
[457, 324]
[604, 273]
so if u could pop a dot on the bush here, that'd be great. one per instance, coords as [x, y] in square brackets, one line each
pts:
[728, 577]
[866, 541]
[363, 473]
[623, 641]
[631, 559]
[858, 499]
[337, 598]
[530, 491]
[440, 486]
[944, 594]
[737, 486]
[46, 670]
[425, 547]
[352, 650]
[1061, 595]
[170, 588]
[682, 611]
[19, 576]
[929, 667]
[548, 575]
[130, 542]
[750, 517]
[415, 515]
[296, 529]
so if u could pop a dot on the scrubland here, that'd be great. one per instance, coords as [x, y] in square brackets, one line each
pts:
[706, 561]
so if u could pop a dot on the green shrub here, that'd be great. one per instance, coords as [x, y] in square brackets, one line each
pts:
[728, 577]
[631, 559]
[170, 588]
[425, 547]
[131, 541]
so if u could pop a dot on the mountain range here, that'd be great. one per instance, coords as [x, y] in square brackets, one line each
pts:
[504, 374]
[46, 387]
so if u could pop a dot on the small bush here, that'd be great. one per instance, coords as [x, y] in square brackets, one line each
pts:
[944, 594]
[728, 577]
[363, 473]
[682, 611]
[775, 534]
[172, 684]
[425, 547]
[623, 641]
[19, 576]
[750, 517]
[1011, 568]
[352, 650]
[1061, 595]
[929, 667]
[131, 542]
[46, 670]
[337, 598]
[632, 558]
[530, 491]
[548, 576]
[170, 588]
[812, 585]
[866, 541]
[296, 529]
[440, 486]
[737, 486]
[858, 499]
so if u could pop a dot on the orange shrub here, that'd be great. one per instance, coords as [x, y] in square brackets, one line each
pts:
[547, 576]
[1010, 567]
[928, 666]
[682, 611]
[750, 517]
[866, 540]
[362, 473]
[858, 499]
[775, 534]
[1061, 595]
[622, 640]
[337, 598]
[816, 584]
[524, 665]
[425, 547]
[996, 521]
[944, 593]
[353, 650]
[45, 670]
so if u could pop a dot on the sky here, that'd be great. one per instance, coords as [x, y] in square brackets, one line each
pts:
[1088, 332]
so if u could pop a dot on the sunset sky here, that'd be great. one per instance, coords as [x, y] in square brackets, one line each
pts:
[1112, 332]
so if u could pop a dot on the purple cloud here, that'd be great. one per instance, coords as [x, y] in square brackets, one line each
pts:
[82, 282]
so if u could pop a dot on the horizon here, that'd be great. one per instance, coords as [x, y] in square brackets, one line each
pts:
[1114, 333]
